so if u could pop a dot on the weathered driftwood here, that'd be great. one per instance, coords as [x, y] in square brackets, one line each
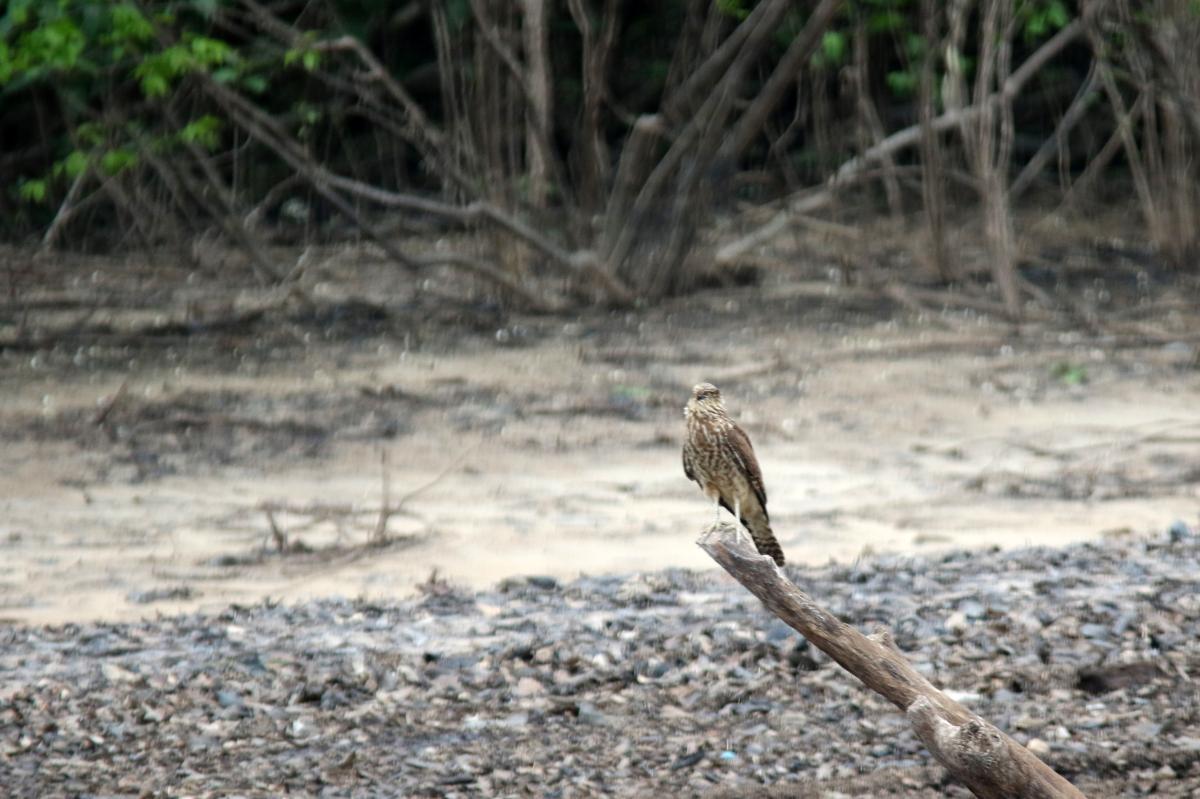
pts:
[979, 755]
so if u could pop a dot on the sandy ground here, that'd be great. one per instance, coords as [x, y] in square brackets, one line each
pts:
[551, 446]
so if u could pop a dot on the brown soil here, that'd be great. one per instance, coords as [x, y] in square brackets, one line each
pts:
[543, 445]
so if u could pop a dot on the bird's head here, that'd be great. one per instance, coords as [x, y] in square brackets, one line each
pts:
[706, 398]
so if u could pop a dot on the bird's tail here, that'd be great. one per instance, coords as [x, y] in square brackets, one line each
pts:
[764, 538]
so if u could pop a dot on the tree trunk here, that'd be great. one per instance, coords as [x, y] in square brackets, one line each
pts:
[537, 58]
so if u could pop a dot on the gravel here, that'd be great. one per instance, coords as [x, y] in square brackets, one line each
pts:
[675, 683]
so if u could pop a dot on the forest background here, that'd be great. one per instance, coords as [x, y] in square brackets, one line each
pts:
[584, 152]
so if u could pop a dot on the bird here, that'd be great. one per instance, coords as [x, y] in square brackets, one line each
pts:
[717, 454]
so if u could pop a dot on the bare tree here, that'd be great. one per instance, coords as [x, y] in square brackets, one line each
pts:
[933, 186]
[988, 140]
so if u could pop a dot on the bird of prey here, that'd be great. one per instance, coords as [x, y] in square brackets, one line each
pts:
[717, 455]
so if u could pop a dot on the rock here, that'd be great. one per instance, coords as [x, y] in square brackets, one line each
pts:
[957, 622]
[972, 609]
[1147, 730]
[689, 759]
[301, 729]
[115, 673]
[1103, 679]
[229, 699]
[588, 714]
[176, 593]
[1179, 531]
[687, 667]
[1038, 747]
[527, 686]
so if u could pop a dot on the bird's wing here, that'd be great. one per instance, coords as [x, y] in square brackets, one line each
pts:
[687, 465]
[744, 453]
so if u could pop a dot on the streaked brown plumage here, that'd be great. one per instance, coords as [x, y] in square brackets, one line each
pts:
[717, 455]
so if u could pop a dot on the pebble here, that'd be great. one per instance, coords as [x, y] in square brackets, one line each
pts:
[957, 622]
[1179, 531]
[1038, 747]
[672, 683]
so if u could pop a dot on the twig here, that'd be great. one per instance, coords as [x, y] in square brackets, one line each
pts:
[807, 202]
[277, 535]
[110, 403]
[440, 476]
[988, 762]
[1070, 118]
[66, 210]
[385, 493]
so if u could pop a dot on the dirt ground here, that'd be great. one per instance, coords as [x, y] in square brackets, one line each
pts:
[172, 441]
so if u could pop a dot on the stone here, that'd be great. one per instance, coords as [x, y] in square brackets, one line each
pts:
[1038, 747]
[957, 622]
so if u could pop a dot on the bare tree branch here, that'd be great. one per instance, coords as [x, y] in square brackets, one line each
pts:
[1070, 118]
[988, 762]
[782, 78]
[809, 201]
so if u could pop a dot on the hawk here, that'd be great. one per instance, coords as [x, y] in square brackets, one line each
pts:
[717, 455]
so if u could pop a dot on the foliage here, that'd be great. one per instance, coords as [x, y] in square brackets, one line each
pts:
[95, 92]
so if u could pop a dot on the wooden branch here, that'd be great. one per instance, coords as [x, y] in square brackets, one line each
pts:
[573, 263]
[677, 172]
[423, 134]
[226, 215]
[1055, 143]
[591, 148]
[784, 76]
[984, 759]
[532, 300]
[684, 100]
[262, 127]
[536, 98]
[1099, 162]
[66, 210]
[808, 201]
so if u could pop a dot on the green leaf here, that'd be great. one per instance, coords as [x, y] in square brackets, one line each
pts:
[209, 52]
[207, 8]
[118, 160]
[1057, 14]
[833, 45]
[55, 45]
[128, 23]
[733, 8]
[89, 133]
[7, 67]
[255, 84]
[307, 113]
[18, 12]
[156, 72]
[1035, 28]
[73, 165]
[914, 46]
[311, 59]
[902, 83]
[885, 22]
[32, 191]
[154, 84]
[203, 131]
[1071, 374]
